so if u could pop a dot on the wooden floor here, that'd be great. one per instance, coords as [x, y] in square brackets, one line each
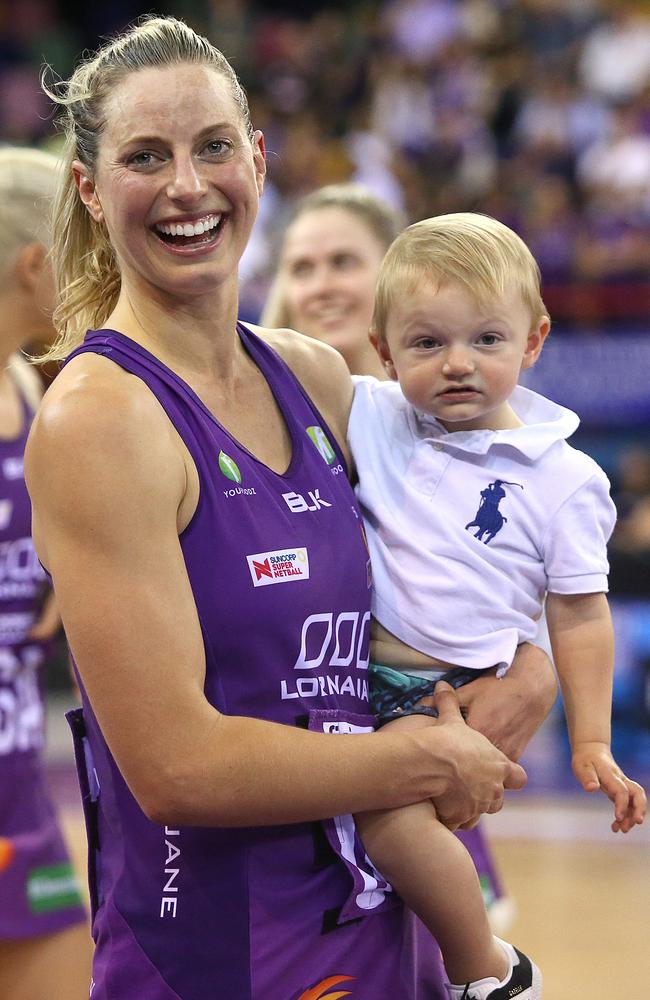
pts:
[582, 895]
[584, 915]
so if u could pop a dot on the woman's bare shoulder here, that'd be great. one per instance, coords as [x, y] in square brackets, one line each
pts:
[92, 395]
[319, 368]
[97, 427]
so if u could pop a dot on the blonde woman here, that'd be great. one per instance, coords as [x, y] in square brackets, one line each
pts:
[44, 951]
[327, 271]
[212, 574]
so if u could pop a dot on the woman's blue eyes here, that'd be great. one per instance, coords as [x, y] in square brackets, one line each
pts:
[219, 147]
[143, 159]
[216, 148]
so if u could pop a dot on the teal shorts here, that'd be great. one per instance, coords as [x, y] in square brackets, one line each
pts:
[394, 692]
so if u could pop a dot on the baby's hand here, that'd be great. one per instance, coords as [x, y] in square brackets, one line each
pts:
[594, 767]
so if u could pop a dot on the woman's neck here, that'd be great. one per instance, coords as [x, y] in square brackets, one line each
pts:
[196, 335]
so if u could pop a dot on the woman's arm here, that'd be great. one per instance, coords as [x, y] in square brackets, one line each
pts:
[509, 710]
[108, 477]
[48, 622]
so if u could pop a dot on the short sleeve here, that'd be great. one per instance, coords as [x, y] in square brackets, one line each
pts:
[574, 547]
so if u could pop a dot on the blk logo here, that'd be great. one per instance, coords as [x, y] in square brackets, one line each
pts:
[297, 503]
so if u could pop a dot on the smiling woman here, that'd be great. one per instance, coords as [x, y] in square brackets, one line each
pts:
[329, 262]
[223, 856]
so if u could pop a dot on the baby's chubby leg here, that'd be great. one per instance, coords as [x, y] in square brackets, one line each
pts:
[435, 876]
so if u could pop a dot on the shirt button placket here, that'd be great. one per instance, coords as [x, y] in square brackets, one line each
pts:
[435, 467]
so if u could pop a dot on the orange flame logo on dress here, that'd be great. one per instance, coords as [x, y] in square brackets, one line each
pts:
[319, 992]
[7, 852]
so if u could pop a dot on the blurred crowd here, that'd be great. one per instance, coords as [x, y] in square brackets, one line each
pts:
[535, 111]
[629, 549]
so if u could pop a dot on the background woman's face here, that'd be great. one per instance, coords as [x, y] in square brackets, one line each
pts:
[330, 265]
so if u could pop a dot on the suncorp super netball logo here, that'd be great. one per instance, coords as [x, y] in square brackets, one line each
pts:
[281, 566]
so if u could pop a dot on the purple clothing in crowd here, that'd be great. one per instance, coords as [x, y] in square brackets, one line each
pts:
[39, 893]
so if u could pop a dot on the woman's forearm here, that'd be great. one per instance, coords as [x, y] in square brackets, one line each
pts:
[246, 772]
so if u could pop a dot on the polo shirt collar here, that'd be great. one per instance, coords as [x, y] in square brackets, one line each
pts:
[543, 423]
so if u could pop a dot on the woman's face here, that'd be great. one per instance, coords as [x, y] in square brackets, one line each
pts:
[330, 264]
[177, 180]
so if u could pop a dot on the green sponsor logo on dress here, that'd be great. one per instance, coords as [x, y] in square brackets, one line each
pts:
[318, 436]
[53, 887]
[229, 467]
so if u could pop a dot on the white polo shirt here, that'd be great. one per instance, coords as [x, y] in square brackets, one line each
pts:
[467, 530]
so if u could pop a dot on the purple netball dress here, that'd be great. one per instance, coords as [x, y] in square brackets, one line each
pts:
[280, 576]
[39, 893]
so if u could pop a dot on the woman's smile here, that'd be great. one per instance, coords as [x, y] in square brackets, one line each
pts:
[191, 237]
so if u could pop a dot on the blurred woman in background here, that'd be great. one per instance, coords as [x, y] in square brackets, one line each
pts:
[44, 941]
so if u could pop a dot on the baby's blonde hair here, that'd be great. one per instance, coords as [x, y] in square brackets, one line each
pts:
[477, 251]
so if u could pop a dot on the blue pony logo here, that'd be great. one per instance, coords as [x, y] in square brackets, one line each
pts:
[488, 518]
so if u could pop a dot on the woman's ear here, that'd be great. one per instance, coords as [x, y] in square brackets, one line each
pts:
[259, 159]
[535, 342]
[87, 190]
[30, 262]
[381, 346]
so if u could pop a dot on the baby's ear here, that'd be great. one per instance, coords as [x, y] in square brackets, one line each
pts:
[383, 350]
[538, 334]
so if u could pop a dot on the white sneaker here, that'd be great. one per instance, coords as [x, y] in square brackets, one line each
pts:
[523, 981]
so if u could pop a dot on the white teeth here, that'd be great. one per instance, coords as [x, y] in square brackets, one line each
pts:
[189, 228]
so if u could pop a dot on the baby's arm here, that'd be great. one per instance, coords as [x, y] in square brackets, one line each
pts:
[582, 639]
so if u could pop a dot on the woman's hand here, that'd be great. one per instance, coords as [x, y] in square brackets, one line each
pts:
[476, 772]
[509, 710]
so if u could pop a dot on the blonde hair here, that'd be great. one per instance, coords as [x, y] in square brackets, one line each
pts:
[85, 268]
[379, 218]
[28, 181]
[474, 250]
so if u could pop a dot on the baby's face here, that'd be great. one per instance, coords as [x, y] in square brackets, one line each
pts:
[458, 359]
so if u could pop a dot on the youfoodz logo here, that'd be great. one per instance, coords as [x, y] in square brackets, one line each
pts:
[281, 566]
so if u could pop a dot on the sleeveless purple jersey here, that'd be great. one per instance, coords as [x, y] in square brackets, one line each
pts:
[280, 575]
[38, 890]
